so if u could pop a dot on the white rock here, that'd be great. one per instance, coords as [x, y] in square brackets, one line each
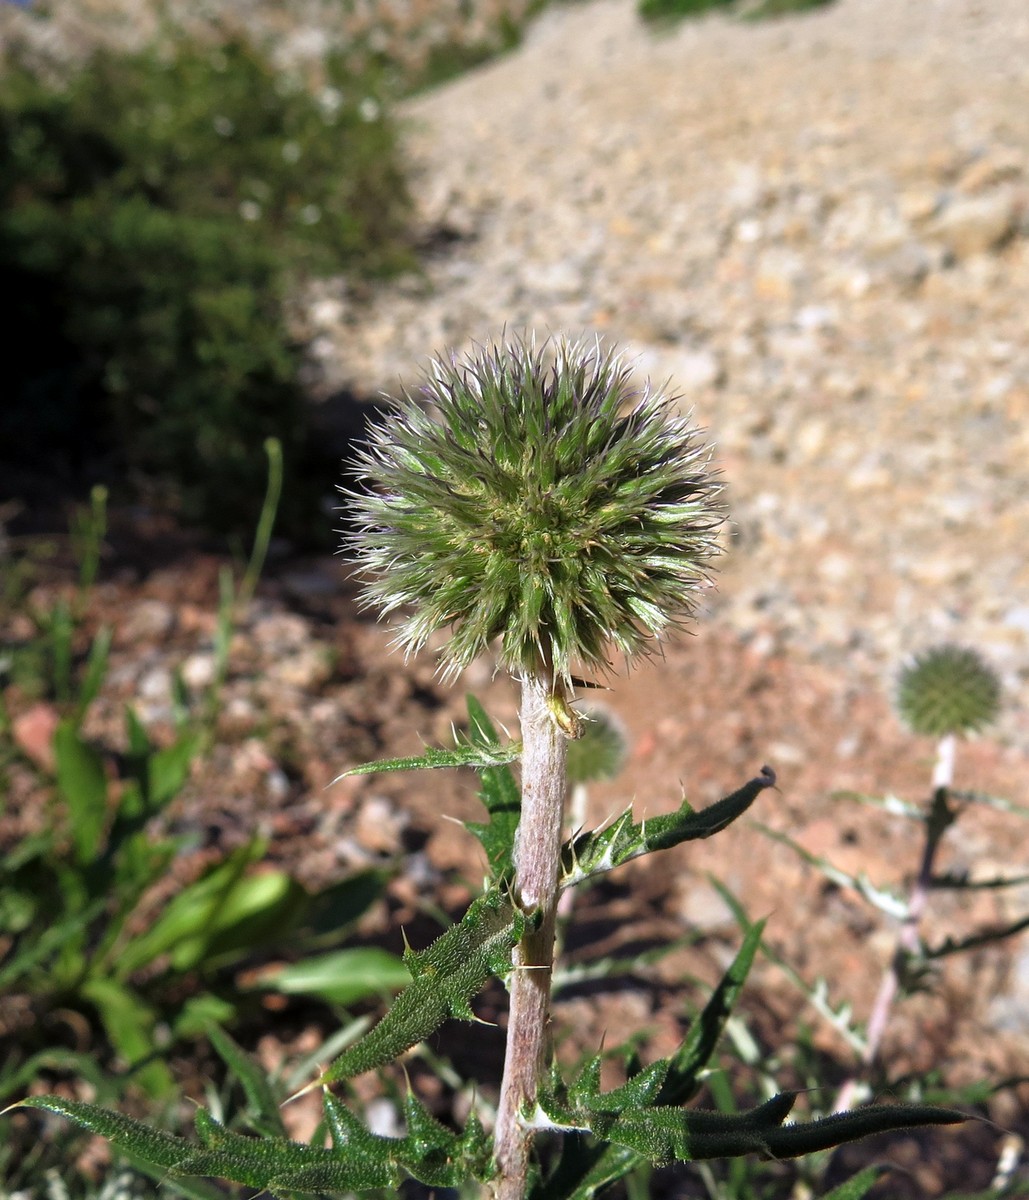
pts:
[977, 224]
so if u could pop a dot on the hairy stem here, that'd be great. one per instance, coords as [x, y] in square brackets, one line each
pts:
[536, 859]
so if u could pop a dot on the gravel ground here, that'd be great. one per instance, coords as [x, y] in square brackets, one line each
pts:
[817, 228]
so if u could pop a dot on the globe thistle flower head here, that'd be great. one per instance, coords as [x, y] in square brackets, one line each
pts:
[948, 690]
[547, 505]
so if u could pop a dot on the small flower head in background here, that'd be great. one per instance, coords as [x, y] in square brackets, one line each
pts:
[948, 690]
[601, 751]
[532, 495]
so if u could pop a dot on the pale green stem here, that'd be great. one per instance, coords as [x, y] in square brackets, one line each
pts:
[537, 857]
[909, 942]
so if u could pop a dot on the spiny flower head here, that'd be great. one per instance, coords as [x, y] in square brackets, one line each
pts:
[948, 689]
[547, 504]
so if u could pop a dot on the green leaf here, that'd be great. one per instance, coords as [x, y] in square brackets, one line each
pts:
[43, 947]
[168, 769]
[262, 1100]
[858, 1186]
[96, 670]
[342, 977]
[139, 740]
[841, 1018]
[61, 631]
[82, 783]
[664, 1134]
[478, 757]
[445, 977]
[585, 1167]
[190, 921]
[693, 1056]
[501, 796]
[358, 1161]
[129, 1023]
[156, 1147]
[593, 853]
[196, 1016]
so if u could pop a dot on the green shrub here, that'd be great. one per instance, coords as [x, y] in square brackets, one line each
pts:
[154, 213]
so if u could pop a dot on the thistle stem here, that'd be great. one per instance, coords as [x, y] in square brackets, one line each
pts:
[939, 818]
[537, 855]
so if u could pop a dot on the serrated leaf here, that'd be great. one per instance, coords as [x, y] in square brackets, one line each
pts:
[501, 796]
[275, 1164]
[671, 1134]
[593, 853]
[585, 1167]
[445, 978]
[985, 937]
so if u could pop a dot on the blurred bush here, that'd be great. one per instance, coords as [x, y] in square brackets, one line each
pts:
[155, 210]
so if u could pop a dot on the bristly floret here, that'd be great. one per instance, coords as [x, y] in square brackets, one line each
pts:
[948, 690]
[546, 502]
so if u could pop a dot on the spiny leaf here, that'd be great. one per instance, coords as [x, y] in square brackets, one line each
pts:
[501, 796]
[985, 937]
[670, 1134]
[685, 1066]
[960, 881]
[478, 756]
[593, 853]
[585, 1168]
[445, 978]
[358, 1161]
[163, 1149]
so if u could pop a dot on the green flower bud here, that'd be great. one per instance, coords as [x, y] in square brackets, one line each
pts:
[547, 504]
[948, 689]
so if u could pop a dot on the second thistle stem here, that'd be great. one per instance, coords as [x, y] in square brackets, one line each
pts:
[537, 857]
[938, 819]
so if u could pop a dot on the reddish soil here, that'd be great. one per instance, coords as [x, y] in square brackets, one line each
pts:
[700, 721]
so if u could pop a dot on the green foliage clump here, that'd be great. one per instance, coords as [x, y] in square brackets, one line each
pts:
[948, 690]
[751, 10]
[154, 211]
[87, 944]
